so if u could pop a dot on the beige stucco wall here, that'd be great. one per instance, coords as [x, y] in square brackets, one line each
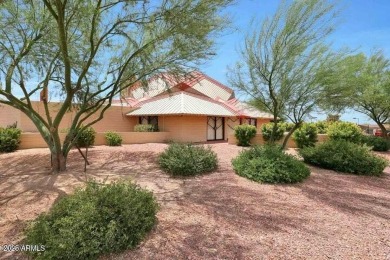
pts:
[184, 128]
[115, 118]
[35, 140]
[258, 139]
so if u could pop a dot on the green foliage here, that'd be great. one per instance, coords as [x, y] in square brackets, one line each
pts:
[9, 139]
[377, 143]
[345, 131]
[344, 156]
[269, 164]
[145, 128]
[181, 159]
[113, 139]
[86, 137]
[267, 129]
[287, 126]
[244, 133]
[306, 135]
[93, 221]
[322, 126]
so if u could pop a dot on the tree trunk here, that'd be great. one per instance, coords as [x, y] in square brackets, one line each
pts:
[58, 162]
[383, 129]
[292, 130]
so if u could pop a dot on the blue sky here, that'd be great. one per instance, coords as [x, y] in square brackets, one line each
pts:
[364, 25]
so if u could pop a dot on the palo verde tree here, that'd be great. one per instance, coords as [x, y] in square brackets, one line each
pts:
[283, 61]
[361, 83]
[86, 51]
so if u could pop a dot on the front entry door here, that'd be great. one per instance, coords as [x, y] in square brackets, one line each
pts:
[215, 128]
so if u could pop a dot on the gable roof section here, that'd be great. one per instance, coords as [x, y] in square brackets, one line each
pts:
[182, 103]
[196, 80]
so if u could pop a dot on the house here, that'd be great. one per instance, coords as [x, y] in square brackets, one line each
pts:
[195, 108]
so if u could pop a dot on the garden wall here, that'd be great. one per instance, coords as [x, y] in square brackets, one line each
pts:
[35, 140]
[258, 139]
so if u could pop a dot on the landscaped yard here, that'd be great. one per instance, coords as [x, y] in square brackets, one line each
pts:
[218, 215]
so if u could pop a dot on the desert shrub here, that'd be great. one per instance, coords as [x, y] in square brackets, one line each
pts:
[344, 156]
[113, 139]
[322, 126]
[306, 135]
[377, 143]
[345, 131]
[269, 164]
[86, 137]
[244, 133]
[287, 126]
[266, 130]
[145, 128]
[93, 221]
[9, 139]
[181, 159]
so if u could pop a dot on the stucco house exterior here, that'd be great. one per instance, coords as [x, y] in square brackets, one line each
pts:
[195, 108]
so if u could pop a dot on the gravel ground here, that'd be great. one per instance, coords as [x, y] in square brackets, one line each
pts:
[214, 216]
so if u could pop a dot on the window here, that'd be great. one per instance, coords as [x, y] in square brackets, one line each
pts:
[148, 120]
[248, 121]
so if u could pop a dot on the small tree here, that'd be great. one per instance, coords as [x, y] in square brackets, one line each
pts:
[363, 84]
[87, 52]
[283, 62]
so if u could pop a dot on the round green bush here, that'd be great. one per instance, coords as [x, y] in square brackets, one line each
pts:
[345, 131]
[287, 126]
[377, 143]
[244, 133]
[322, 126]
[9, 139]
[145, 128]
[269, 164]
[86, 137]
[97, 220]
[113, 139]
[187, 159]
[266, 131]
[306, 135]
[344, 156]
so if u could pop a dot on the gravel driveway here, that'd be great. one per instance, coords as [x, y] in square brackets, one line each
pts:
[218, 215]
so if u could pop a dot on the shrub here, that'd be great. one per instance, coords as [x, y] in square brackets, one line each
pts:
[266, 130]
[113, 139]
[9, 139]
[86, 137]
[344, 156]
[377, 143]
[287, 126]
[93, 221]
[187, 159]
[145, 128]
[269, 164]
[322, 126]
[244, 133]
[306, 135]
[345, 131]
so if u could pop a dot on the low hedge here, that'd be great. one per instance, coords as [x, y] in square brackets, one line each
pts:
[97, 220]
[344, 156]
[113, 139]
[181, 159]
[244, 133]
[269, 164]
[344, 131]
[9, 139]
[266, 131]
[306, 135]
[377, 143]
[145, 128]
[86, 137]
